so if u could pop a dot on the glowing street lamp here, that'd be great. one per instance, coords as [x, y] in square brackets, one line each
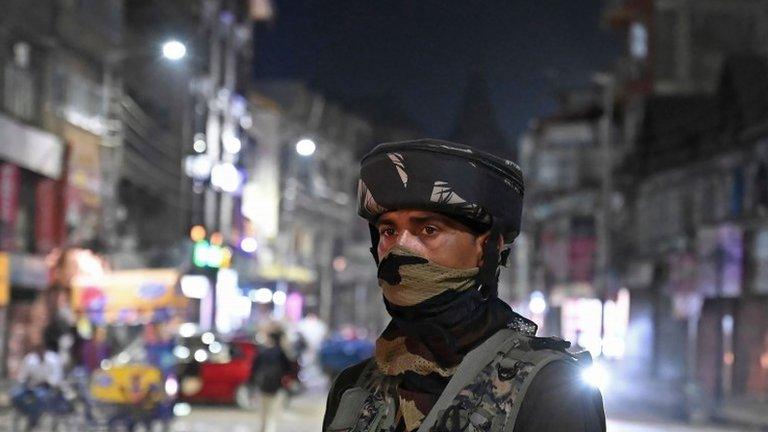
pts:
[174, 50]
[306, 147]
[226, 177]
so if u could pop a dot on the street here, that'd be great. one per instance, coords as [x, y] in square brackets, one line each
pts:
[306, 412]
[201, 200]
[660, 425]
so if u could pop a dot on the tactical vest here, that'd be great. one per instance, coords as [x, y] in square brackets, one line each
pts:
[484, 394]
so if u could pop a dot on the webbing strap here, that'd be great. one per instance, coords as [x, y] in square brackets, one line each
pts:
[540, 359]
[366, 373]
[470, 367]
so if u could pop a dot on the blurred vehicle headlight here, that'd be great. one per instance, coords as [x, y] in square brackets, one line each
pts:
[208, 338]
[182, 409]
[171, 386]
[191, 385]
[201, 355]
[181, 352]
[215, 347]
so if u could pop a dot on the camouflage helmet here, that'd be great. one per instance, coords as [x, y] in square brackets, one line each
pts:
[481, 190]
[470, 185]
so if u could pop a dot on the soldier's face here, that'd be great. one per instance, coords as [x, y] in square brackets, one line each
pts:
[436, 237]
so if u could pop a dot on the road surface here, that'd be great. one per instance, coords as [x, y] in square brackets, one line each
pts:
[306, 413]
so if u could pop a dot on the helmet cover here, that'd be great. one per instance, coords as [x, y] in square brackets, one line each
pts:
[444, 177]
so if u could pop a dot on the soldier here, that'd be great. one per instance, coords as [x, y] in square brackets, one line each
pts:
[454, 357]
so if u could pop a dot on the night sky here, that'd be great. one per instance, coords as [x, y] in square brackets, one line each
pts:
[417, 54]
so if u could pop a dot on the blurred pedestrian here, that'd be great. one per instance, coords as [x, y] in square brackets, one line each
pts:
[95, 350]
[270, 366]
[41, 376]
[42, 366]
[454, 357]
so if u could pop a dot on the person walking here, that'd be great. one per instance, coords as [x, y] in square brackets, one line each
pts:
[454, 357]
[270, 365]
[41, 376]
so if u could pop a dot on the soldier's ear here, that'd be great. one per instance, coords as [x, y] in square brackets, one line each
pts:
[480, 242]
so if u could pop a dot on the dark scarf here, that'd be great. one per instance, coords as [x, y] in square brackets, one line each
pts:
[436, 334]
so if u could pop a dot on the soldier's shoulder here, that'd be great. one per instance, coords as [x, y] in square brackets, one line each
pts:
[348, 377]
[344, 381]
[523, 342]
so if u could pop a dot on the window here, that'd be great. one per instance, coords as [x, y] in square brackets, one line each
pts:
[19, 91]
[638, 41]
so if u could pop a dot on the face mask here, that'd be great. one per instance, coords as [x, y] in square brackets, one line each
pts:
[408, 279]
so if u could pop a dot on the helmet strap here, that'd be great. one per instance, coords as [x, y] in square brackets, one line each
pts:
[374, 242]
[489, 270]
[504, 256]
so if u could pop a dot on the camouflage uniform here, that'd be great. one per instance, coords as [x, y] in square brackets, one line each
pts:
[487, 403]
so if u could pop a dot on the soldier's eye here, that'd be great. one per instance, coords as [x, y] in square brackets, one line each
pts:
[430, 230]
[386, 232]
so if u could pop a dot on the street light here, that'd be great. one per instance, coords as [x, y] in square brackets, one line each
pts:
[174, 50]
[226, 177]
[232, 143]
[305, 147]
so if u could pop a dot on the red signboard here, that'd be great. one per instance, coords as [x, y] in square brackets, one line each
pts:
[10, 183]
[582, 252]
[48, 223]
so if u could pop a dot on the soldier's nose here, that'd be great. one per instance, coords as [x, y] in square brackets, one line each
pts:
[408, 241]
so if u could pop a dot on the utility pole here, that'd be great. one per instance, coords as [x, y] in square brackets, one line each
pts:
[607, 83]
[112, 148]
[213, 121]
[229, 122]
[213, 137]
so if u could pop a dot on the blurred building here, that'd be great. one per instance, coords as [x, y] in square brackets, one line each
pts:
[698, 207]
[90, 153]
[318, 229]
[151, 102]
[686, 168]
[679, 46]
[690, 93]
[645, 202]
[476, 124]
[54, 131]
[557, 255]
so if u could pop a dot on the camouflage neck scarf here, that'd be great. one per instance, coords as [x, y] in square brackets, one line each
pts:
[407, 279]
[438, 315]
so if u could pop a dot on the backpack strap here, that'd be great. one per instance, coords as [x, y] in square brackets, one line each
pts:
[469, 368]
[348, 411]
[540, 358]
[510, 347]
[358, 404]
[368, 369]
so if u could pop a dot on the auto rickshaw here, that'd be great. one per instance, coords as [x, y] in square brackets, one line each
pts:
[133, 394]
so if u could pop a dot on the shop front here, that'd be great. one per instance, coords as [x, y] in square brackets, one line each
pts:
[127, 317]
[750, 367]
[83, 184]
[28, 277]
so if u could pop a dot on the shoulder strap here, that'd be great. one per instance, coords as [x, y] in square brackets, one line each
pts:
[348, 411]
[351, 400]
[472, 364]
[540, 359]
[365, 372]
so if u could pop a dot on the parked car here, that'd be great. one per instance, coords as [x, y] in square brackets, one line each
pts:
[342, 351]
[216, 371]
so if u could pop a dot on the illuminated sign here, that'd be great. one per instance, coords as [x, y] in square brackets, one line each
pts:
[207, 255]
